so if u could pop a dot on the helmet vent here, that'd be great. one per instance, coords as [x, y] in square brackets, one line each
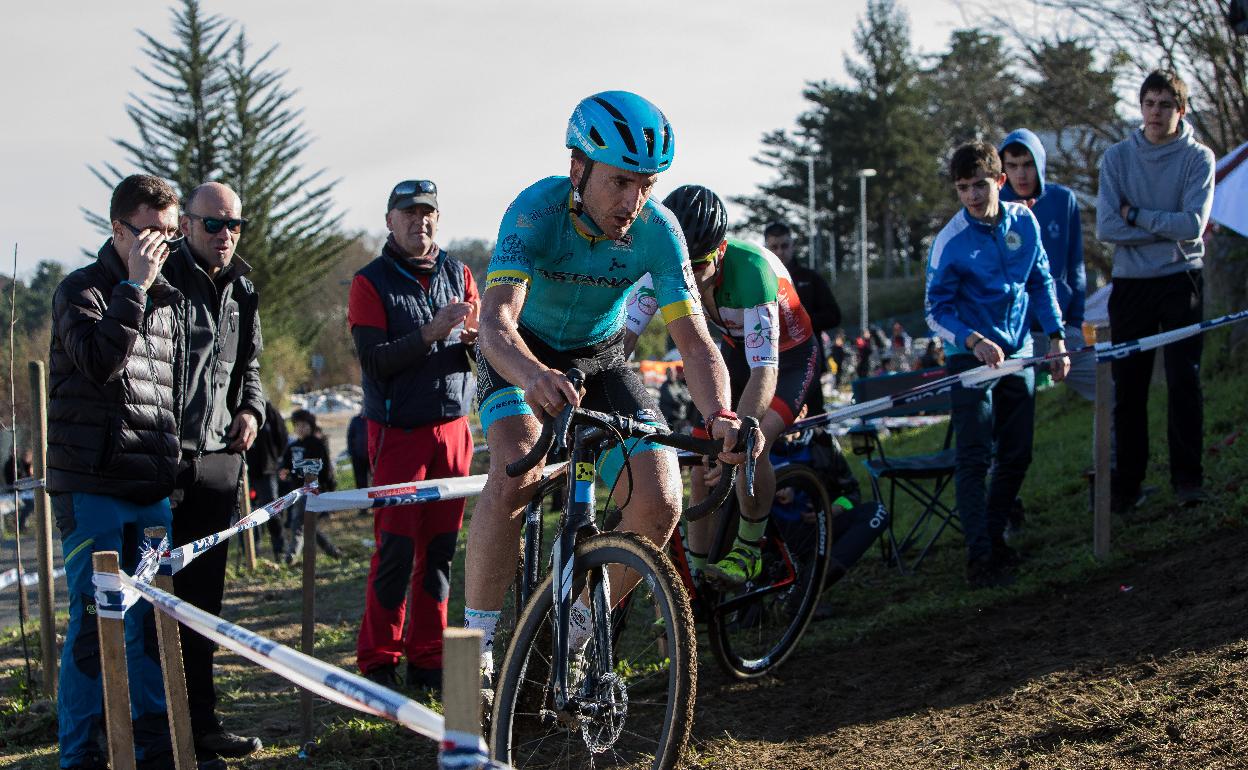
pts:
[667, 138]
[648, 135]
[626, 135]
[596, 137]
[611, 110]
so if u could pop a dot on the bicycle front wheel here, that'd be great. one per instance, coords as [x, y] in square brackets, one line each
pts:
[755, 628]
[639, 710]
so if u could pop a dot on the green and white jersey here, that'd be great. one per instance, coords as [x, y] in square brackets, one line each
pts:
[752, 300]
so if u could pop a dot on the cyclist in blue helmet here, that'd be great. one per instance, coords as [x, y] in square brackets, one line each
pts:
[568, 251]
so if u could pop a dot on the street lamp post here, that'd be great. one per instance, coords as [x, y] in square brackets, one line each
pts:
[810, 211]
[863, 174]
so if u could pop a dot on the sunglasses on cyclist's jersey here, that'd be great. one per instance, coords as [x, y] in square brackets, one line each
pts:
[214, 224]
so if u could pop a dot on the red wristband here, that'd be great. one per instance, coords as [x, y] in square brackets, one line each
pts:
[727, 414]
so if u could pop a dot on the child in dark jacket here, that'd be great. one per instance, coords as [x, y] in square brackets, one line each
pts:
[309, 444]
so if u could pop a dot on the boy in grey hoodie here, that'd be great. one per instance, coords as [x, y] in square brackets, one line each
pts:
[1156, 190]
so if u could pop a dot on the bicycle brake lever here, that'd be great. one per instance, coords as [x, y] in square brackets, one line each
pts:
[750, 426]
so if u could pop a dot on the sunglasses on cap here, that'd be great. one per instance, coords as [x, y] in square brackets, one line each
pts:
[170, 241]
[214, 224]
[413, 187]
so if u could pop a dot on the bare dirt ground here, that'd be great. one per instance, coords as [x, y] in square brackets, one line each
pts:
[1086, 676]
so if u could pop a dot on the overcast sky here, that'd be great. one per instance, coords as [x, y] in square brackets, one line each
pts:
[473, 94]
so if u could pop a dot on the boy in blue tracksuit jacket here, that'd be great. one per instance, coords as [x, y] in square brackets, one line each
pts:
[1023, 159]
[986, 269]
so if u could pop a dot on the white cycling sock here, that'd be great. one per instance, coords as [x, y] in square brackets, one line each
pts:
[485, 621]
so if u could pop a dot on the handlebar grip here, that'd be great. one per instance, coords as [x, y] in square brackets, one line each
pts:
[747, 443]
[535, 455]
[717, 496]
[547, 437]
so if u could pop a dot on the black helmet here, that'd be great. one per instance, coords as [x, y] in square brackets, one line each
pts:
[701, 215]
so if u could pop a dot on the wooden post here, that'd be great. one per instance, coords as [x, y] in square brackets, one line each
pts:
[43, 531]
[309, 603]
[171, 670]
[116, 677]
[1102, 432]
[249, 535]
[461, 680]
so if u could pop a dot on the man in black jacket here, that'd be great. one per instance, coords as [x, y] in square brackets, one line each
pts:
[816, 297]
[222, 410]
[113, 453]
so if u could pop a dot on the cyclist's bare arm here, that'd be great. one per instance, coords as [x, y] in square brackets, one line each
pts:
[707, 378]
[630, 343]
[544, 388]
[759, 390]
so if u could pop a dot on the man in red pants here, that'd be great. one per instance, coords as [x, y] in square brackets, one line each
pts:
[412, 313]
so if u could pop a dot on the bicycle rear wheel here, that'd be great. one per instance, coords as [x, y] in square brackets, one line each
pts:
[641, 712]
[756, 628]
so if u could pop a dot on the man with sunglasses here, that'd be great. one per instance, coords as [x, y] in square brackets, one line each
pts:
[222, 410]
[568, 251]
[413, 321]
[113, 453]
[768, 344]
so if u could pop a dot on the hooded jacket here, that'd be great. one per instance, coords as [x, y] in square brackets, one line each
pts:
[220, 322]
[1172, 186]
[1057, 211]
[982, 278]
[112, 391]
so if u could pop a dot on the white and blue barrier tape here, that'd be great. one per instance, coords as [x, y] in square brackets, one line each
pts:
[406, 494]
[181, 556]
[9, 577]
[1105, 351]
[460, 750]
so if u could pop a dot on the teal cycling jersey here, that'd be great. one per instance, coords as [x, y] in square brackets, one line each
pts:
[577, 280]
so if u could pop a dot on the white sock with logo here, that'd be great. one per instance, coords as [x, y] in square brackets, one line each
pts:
[485, 621]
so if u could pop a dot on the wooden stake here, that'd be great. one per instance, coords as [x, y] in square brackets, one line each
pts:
[309, 604]
[116, 677]
[43, 532]
[249, 535]
[461, 680]
[1102, 432]
[171, 670]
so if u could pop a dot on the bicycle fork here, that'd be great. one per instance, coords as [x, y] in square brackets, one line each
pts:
[579, 524]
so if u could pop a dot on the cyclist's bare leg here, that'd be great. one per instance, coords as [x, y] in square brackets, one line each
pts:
[494, 528]
[702, 531]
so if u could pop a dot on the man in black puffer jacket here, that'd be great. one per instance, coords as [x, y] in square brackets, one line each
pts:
[113, 453]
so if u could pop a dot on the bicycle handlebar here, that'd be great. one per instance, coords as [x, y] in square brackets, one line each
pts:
[557, 429]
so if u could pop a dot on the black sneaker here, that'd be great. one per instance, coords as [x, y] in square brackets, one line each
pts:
[91, 762]
[425, 678]
[986, 573]
[1190, 495]
[223, 744]
[1003, 556]
[385, 675]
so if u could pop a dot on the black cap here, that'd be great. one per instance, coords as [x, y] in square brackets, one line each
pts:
[413, 192]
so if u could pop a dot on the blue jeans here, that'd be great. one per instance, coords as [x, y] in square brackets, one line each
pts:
[91, 523]
[993, 427]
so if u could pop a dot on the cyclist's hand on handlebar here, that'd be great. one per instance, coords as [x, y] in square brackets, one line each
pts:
[548, 392]
[727, 430]
[710, 472]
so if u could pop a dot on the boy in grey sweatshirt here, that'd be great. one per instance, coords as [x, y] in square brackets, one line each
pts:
[1156, 190]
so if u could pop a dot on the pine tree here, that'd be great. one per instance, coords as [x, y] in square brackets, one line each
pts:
[293, 234]
[215, 114]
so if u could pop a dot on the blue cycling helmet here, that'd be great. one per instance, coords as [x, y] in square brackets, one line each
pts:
[621, 129]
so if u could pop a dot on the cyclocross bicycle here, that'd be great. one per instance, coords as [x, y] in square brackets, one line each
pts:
[626, 700]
